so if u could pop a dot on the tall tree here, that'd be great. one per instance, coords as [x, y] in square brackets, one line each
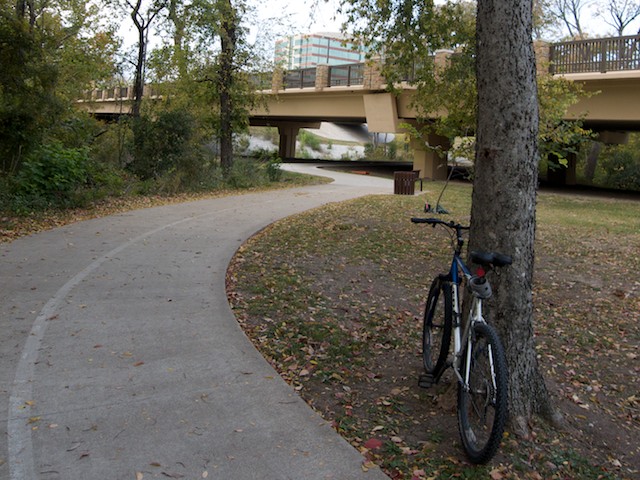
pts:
[619, 13]
[497, 55]
[226, 67]
[206, 64]
[178, 16]
[569, 13]
[142, 19]
[503, 212]
[221, 33]
[545, 23]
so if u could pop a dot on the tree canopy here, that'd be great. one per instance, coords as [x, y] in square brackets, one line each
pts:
[49, 51]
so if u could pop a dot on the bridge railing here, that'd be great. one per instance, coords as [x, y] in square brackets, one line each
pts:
[595, 55]
[346, 75]
[303, 78]
[580, 56]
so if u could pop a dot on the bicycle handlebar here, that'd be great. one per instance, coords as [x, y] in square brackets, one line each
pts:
[436, 221]
[482, 258]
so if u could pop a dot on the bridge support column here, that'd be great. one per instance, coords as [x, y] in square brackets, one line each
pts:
[288, 137]
[431, 163]
[563, 175]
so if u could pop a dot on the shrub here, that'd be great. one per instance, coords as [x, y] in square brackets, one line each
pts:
[620, 169]
[308, 139]
[245, 174]
[163, 143]
[274, 172]
[618, 166]
[50, 176]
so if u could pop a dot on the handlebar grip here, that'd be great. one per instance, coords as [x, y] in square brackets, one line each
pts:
[432, 221]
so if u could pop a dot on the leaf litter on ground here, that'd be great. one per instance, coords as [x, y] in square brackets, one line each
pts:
[333, 298]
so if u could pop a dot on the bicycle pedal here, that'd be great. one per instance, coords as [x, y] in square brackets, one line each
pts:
[426, 380]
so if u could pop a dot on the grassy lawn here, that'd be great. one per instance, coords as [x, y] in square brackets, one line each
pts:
[334, 297]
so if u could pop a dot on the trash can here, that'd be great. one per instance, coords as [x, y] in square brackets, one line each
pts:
[404, 183]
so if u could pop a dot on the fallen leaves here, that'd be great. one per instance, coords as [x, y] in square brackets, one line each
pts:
[373, 444]
[339, 317]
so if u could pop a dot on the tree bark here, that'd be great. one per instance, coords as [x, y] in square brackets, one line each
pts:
[504, 192]
[177, 17]
[592, 160]
[138, 83]
[228, 40]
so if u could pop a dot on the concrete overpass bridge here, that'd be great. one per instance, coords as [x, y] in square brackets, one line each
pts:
[609, 68]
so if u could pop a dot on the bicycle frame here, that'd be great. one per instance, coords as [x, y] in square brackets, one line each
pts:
[458, 268]
[461, 337]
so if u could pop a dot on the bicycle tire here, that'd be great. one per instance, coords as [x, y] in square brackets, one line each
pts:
[436, 327]
[482, 409]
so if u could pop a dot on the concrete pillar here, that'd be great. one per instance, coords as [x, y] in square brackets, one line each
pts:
[542, 51]
[431, 163]
[277, 80]
[322, 77]
[441, 61]
[288, 137]
[372, 76]
[563, 175]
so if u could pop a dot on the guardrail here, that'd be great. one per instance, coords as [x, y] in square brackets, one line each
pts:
[579, 56]
[303, 78]
[337, 75]
[346, 75]
[595, 55]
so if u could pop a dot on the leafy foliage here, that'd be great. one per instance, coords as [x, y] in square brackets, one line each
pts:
[619, 165]
[167, 141]
[414, 35]
[410, 33]
[51, 174]
[48, 55]
[558, 137]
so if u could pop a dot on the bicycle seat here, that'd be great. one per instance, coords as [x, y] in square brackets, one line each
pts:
[491, 258]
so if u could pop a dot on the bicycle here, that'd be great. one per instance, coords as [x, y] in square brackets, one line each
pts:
[478, 360]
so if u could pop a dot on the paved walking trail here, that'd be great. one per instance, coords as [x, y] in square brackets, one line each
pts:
[121, 359]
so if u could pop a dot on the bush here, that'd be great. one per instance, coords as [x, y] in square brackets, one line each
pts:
[50, 176]
[111, 145]
[619, 165]
[164, 143]
[245, 174]
[620, 169]
[309, 140]
[274, 172]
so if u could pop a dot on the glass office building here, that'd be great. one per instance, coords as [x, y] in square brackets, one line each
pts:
[309, 50]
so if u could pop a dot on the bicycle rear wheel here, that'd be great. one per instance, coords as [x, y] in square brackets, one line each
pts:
[436, 329]
[482, 407]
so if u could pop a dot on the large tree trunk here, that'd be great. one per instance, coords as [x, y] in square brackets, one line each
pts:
[504, 193]
[138, 83]
[177, 17]
[592, 160]
[228, 39]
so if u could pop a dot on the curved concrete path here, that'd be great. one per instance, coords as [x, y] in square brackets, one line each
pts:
[121, 358]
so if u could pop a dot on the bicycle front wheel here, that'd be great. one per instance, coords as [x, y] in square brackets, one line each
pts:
[436, 329]
[482, 405]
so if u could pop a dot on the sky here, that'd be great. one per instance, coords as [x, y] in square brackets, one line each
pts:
[285, 17]
[323, 18]
[304, 18]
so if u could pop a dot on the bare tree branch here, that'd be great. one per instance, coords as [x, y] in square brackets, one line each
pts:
[619, 13]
